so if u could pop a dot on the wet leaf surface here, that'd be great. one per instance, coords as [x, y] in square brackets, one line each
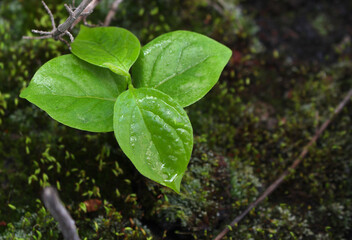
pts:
[109, 47]
[155, 133]
[76, 93]
[184, 65]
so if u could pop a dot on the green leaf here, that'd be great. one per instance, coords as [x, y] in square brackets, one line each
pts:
[155, 133]
[12, 206]
[108, 47]
[76, 93]
[184, 65]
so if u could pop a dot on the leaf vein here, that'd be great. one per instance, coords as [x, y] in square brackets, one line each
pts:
[158, 59]
[181, 72]
[80, 97]
[106, 51]
[170, 127]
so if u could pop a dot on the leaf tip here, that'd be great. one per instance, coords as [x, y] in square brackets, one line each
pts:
[227, 52]
[117, 70]
[24, 93]
[174, 183]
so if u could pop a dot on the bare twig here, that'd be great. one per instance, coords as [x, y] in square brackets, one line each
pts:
[89, 9]
[56, 208]
[50, 14]
[298, 160]
[63, 29]
[112, 12]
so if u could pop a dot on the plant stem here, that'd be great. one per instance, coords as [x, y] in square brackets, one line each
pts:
[294, 165]
[129, 81]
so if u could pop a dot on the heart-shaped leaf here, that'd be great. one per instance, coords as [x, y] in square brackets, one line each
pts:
[109, 47]
[155, 133]
[76, 93]
[184, 65]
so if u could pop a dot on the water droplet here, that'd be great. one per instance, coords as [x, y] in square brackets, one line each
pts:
[171, 179]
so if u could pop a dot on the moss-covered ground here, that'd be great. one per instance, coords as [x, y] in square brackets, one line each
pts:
[291, 65]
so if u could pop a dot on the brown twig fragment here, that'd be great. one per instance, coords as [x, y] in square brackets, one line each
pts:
[57, 33]
[56, 208]
[87, 11]
[297, 161]
[112, 12]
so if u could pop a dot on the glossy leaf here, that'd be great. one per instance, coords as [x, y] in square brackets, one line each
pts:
[155, 133]
[76, 93]
[108, 47]
[184, 65]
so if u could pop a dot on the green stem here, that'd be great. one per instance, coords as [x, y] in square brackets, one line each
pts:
[129, 80]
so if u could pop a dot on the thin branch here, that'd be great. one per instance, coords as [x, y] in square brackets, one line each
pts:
[56, 208]
[298, 160]
[70, 36]
[87, 11]
[71, 19]
[50, 14]
[40, 32]
[58, 32]
[69, 10]
[112, 12]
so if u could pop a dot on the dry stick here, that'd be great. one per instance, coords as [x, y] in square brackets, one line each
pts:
[87, 11]
[56, 208]
[298, 160]
[71, 19]
[62, 29]
[112, 12]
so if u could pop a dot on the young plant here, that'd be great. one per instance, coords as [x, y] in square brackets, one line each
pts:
[92, 90]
